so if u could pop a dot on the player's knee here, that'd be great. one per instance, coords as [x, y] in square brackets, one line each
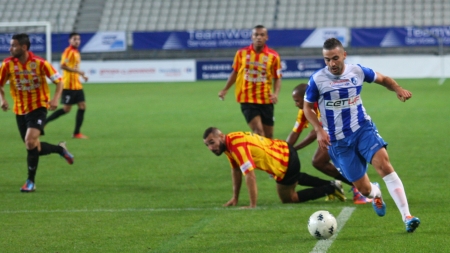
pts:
[30, 143]
[317, 163]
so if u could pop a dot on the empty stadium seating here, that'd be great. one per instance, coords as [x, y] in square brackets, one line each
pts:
[158, 15]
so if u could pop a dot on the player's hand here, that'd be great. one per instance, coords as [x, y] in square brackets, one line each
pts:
[52, 105]
[323, 139]
[85, 78]
[273, 98]
[403, 94]
[231, 202]
[5, 106]
[222, 94]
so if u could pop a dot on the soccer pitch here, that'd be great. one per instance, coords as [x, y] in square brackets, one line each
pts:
[145, 182]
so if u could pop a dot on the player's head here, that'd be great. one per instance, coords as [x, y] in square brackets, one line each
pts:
[259, 36]
[214, 139]
[74, 39]
[298, 93]
[334, 56]
[20, 44]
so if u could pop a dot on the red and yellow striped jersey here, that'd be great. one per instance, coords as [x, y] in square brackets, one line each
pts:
[28, 83]
[249, 151]
[71, 58]
[255, 74]
[301, 122]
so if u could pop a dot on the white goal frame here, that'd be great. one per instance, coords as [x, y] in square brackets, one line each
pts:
[48, 33]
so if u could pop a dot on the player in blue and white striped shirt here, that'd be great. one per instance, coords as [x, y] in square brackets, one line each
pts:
[348, 132]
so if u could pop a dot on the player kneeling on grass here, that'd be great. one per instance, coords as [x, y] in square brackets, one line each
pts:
[248, 151]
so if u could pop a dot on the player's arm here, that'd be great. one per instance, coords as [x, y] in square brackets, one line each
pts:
[54, 75]
[3, 102]
[392, 85]
[322, 137]
[231, 80]
[277, 80]
[250, 180]
[276, 90]
[3, 78]
[310, 138]
[74, 70]
[236, 177]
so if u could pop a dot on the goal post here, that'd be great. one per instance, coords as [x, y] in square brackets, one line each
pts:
[48, 33]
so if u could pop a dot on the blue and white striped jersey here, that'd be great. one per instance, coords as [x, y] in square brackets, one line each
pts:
[340, 104]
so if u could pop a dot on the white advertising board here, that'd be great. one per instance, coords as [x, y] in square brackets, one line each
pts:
[139, 71]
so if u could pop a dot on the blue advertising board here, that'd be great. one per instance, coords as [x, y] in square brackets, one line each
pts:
[235, 38]
[400, 36]
[291, 68]
[90, 42]
[38, 42]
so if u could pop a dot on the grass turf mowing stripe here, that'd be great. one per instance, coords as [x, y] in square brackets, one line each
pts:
[323, 245]
[281, 207]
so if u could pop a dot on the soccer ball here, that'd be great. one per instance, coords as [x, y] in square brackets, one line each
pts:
[322, 225]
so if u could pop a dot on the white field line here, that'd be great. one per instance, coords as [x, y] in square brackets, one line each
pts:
[102, 210]
[323, 245]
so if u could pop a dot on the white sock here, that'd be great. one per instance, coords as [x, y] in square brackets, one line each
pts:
[395, 187]
[375, 192]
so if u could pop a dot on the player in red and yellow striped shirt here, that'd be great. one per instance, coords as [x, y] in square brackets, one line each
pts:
[27, 75]
[249, 151]
[256, 72]
[73, 89]
[321, 159]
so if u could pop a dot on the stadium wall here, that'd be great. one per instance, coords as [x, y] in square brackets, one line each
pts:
[181, 70]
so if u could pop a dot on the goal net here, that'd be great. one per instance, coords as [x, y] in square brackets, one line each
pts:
[40, 33]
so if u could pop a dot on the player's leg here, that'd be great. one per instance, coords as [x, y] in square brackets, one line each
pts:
[80, 100]
[267, 119]
[32, 146]
[286, 187]
[321, 161]
[256, 125]
[253, 118]
[65, 100]
[287, 193]
[382, 165]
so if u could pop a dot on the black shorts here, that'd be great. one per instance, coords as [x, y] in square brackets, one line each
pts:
[266, 112]
[293, 169]
[71, 97]
[34, 119]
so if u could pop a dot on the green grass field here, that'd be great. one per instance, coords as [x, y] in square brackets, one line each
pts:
[145, 182]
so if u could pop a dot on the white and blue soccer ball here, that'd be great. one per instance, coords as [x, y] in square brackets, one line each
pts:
[322, 225]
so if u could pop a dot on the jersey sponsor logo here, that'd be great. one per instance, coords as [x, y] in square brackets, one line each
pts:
[342, 103]
[245, 167]
[340, 82]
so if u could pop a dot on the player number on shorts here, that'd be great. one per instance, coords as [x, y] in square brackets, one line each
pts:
[67, 99]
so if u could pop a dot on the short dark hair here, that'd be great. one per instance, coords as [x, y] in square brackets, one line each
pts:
[301, 88]
[259, 27]
[73, 34]
[332, 43]
[210, 130]
[23, 39]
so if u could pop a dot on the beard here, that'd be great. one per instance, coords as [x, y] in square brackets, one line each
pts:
[221, 149]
